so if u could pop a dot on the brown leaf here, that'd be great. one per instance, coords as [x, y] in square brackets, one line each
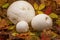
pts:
[3, 24]
[23, 35]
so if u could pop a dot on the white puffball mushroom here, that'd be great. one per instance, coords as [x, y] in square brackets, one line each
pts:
[22, 27]
[41, 21]
[20, 10]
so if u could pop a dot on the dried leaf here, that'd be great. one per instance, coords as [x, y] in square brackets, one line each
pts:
[0, 19]
[58, 22]
[39, 12]
[54, 34]
[2, 2]
[34, 38]
[3, 24]
[23, 35]
[31, 1]
[5, 5]
[44, 36]
[48, 2]
[58, 29]
[36, 6]
[9, 22]
[11, 28]
[14, 34]
[53, 15]
[48, 10]
[58, 1]
[41, 6]
[32, 34]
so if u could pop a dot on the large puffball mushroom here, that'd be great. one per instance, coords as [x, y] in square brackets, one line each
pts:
[41, 21]
[22, 27]
[20, 10]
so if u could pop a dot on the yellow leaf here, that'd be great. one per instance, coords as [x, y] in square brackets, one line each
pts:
[58, 22]
[39, 12]
[14, 34]
[32, 34]
[53, 15]
[5, 5]
[41, 6]
[54, 34]
[11, 28]
[9, 22]
[35, 6]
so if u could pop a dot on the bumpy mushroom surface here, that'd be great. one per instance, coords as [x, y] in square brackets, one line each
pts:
[41, 21]
[20, 10]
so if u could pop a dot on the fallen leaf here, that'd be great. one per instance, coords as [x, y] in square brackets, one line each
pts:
[41, 6]
[3, 24]
[48, 10]
[40, 12]
[44, 36]
[5, 5]
[36, 6]
[58, 22]
[53, 15]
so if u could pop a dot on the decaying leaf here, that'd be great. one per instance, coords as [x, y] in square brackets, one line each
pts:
[58, 1]
[9, 22]
[23, 35]
[48, 2]
[5, 5]
[39, 12]
[14, 33]
[41, 6]
[57, 11]
[32, 34]
[53, 15]
[11, 28]
[48, 10]
[49, 34]
[58, 22]
[2, 2]
[36, 7]
[44, 36]
[43, 1]
[3, 24]
[31, 1]
[34, 38]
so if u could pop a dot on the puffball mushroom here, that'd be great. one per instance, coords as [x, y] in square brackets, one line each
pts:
[22, 27]
[20, 10]
[41, 21]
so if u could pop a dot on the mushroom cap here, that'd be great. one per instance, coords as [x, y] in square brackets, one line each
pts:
[22, 27]
[41, 21]
[20, 10]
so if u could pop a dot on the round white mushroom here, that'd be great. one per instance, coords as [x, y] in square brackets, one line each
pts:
[20, 10]
[22, 27]
[41, 21]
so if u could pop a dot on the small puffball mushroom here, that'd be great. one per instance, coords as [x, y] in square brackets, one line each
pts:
[22, 27]
[41, 21]
[20, 10]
